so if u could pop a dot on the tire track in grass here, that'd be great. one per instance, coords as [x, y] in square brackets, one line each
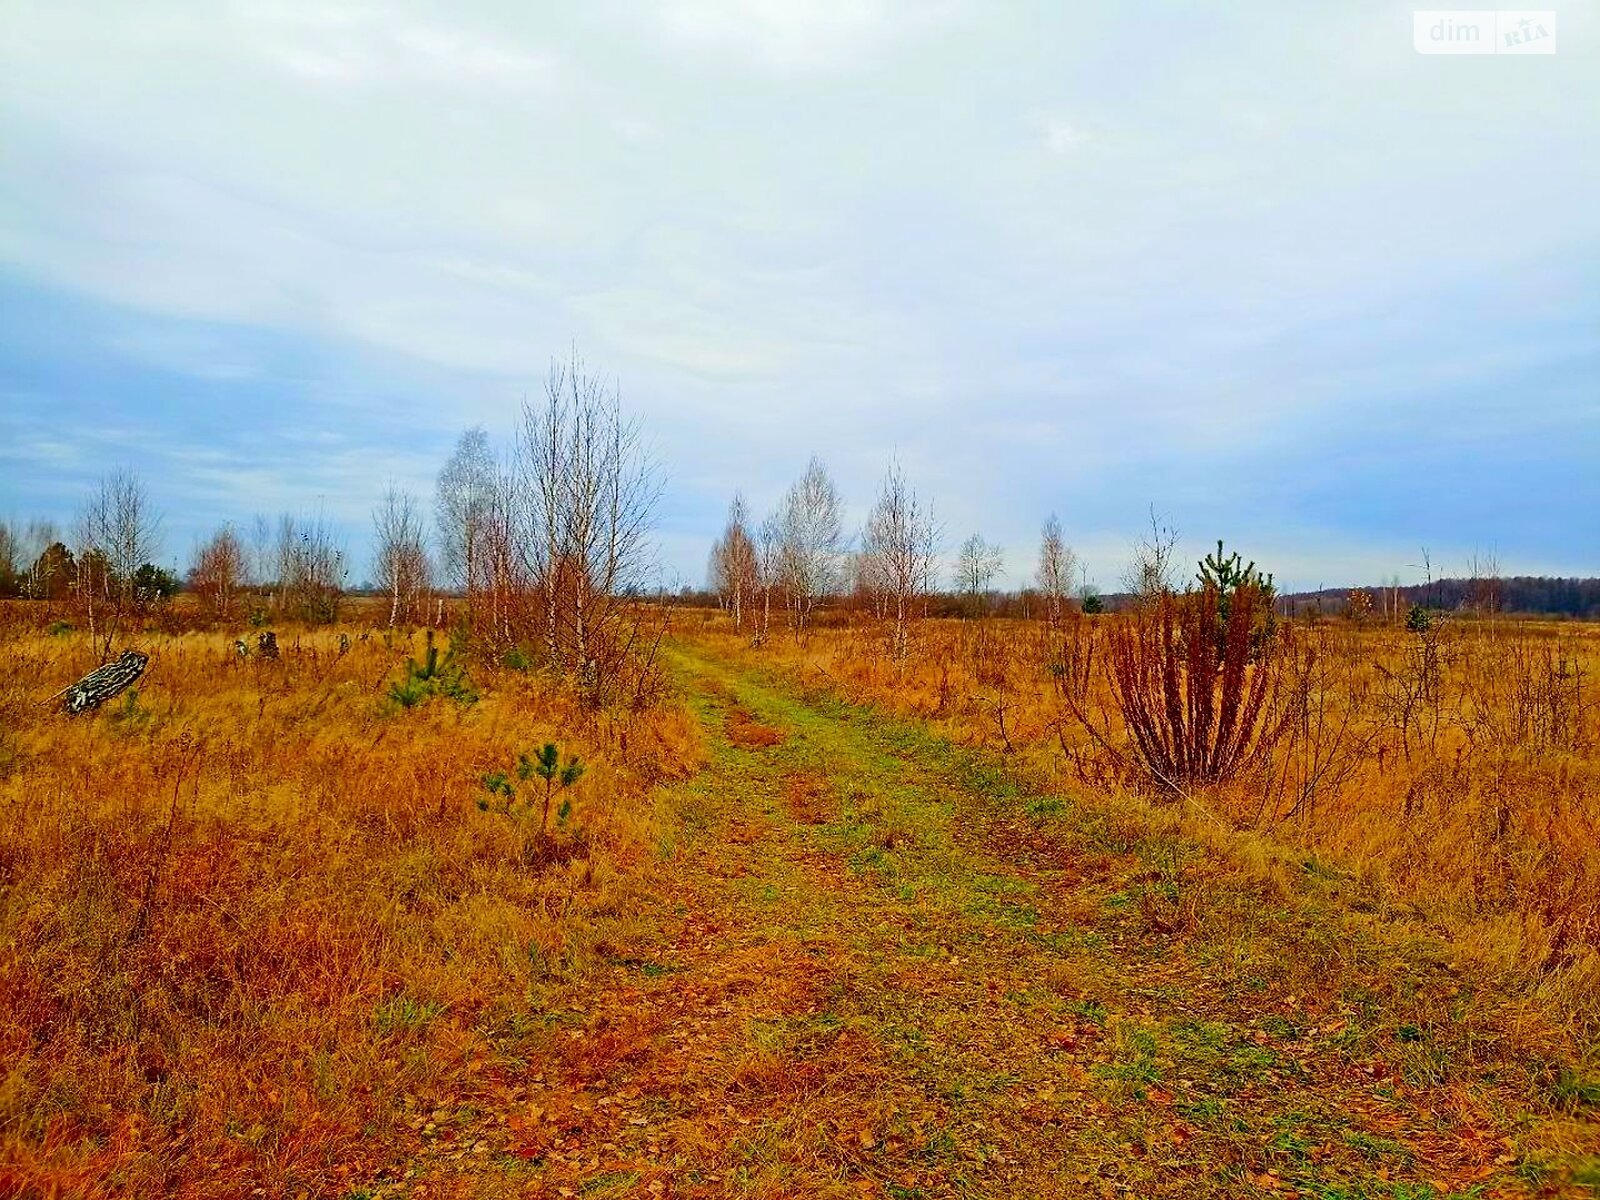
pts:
[875, 965]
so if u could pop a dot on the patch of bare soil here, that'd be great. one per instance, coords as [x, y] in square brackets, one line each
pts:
[745, 732]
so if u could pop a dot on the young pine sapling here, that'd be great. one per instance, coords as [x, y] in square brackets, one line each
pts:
[546, 764]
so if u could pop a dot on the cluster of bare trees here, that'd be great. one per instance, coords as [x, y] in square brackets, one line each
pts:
[401, 568]
[977, 564]
[798, 557]
[103, 567]
[549, 545]
[734, 571]
[294, 569]
[116, 534]
[311, 570]
[219, 575]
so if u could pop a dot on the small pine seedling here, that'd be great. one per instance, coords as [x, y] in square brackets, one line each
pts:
[433, 677]
[546, 765]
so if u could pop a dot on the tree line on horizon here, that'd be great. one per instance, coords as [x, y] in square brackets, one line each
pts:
[547, 543]
[798, 556]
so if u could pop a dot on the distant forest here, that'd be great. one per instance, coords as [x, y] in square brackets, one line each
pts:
[1532, 595]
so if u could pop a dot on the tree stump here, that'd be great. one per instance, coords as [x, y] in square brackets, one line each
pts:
[99, 685]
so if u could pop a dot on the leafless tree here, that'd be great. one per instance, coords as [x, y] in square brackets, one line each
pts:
[462, 502]
[977, 563]
[133, 536]
[263, 566]
[118, 531]
[219, 574]
[21, 547]
[400, 556]
[10, 572]
[35, 564]
[1150, 573]
[586, 492]
[1057, 570]
[733, 567]
[541, 454]
[501, 569]
[1390, 591]
[310, 569]
[1485, 586]
[898, 547]
[812, 543]
[769, 573]
[869, 590]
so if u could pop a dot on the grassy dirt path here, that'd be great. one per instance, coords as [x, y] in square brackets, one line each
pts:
[874, 965]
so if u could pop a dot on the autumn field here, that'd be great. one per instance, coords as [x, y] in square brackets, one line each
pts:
[253, 911]
[798, 600]
[817, 919]
[1449, 775]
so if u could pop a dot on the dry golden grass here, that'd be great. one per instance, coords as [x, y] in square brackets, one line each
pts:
[257, 937]
[251, 914]
[1457, 774]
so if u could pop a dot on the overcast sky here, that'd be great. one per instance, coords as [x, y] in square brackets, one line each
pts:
[1259, 266]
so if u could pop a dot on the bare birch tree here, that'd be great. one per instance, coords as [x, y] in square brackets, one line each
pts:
[812, 543]
[462, 503]
[1057, 570]
[118, 531]
[587, 492]
[769, 549]
[897, 549]
[977, 563]
[33, 540]
[310, 569]
[400, 564]
[1150, 575]
[733, 567]
[502, 574]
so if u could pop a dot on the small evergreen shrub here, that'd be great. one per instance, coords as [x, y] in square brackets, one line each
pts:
[433, 677]
[546, 765]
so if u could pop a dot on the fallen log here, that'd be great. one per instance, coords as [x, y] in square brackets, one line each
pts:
[101, 684]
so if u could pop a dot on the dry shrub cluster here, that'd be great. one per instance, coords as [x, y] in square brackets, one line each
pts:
[1451, 773]
[251, 912]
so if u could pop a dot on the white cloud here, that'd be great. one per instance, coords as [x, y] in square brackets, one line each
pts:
[1061, 136]
[355, 46]
[798, 35]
